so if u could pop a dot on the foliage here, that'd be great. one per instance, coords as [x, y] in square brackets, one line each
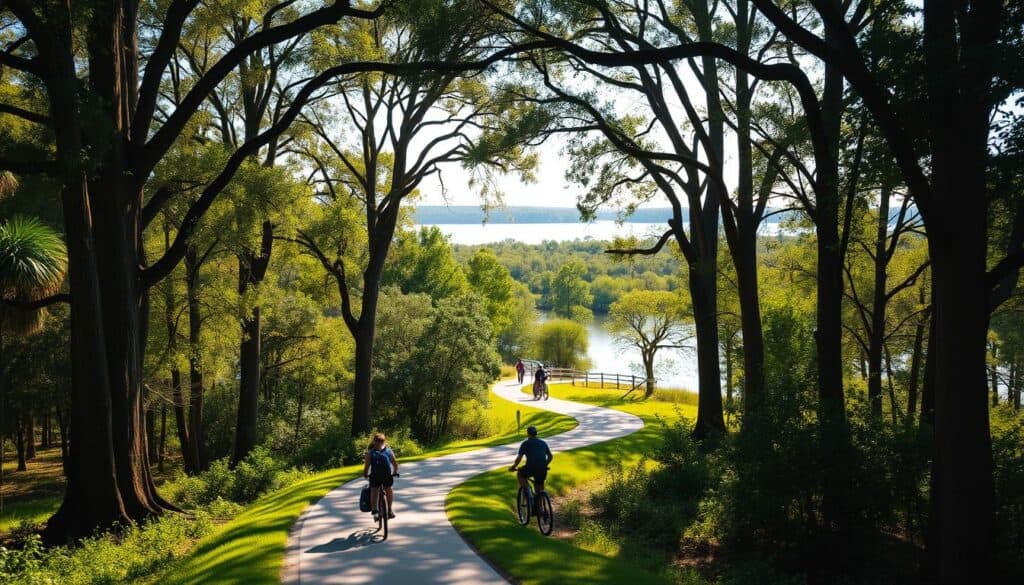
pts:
[447, 358]
[33, 259]
[135, 552]
[561, 343]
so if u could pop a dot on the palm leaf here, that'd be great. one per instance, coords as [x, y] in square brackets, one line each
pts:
[33, 260]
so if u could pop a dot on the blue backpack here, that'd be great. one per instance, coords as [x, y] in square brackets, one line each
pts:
[380, 463]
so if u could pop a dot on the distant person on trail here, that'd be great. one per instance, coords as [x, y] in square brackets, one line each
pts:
[381, 468]
[520, 369]
[540, 381]
[538, 458]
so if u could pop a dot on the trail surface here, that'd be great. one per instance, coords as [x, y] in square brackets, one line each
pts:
[333, 542]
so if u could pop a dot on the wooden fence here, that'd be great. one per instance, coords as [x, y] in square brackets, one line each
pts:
[590, 379]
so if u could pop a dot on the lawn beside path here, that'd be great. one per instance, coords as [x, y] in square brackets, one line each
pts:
[482, 509]
[250, 548]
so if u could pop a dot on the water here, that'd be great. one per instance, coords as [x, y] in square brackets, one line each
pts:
[673, 368]
[536, 233]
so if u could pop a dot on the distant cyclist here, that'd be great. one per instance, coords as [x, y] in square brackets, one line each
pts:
[540, 381]
[538, 458]
[380, 467]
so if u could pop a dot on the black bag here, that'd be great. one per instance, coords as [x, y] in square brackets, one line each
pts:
[364, 500]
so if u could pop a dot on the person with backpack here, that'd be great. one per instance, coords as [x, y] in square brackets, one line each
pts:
[380, 467]
[520, 369]
[540, 382]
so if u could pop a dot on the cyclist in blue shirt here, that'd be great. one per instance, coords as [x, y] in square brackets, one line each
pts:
[538, 458]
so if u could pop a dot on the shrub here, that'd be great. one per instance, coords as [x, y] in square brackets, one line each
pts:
[132, 553]
[255, 475]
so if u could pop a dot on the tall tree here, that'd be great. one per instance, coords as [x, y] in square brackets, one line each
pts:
[966, 48]
[649, 321]
[103, 84]
[402, 129]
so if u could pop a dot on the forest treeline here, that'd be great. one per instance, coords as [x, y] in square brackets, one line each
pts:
[205, 243]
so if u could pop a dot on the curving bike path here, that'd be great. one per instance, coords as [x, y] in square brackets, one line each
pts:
[333, 542]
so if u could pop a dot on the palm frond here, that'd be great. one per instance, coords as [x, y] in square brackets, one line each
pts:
[33, 260]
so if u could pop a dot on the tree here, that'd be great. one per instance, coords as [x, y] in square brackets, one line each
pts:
[961, 92]
[103, 87]
[570, 294]
[33, 260]
[648, 321]
[562, 343]
[402, 128]
[449, 358]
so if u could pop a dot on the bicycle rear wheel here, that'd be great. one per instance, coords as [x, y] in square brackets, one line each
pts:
[523, 506]
[546, 518]
[382, 507]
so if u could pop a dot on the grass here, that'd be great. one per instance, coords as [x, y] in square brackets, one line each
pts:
[32, 495]
[482, 508]
[250, 548]
[35, 494]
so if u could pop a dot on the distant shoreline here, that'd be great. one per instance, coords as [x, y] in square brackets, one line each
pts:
[473, 214]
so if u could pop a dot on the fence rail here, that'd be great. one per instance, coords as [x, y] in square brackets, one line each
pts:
[603, 379]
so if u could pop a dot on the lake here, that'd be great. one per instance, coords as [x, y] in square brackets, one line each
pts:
[673, 368]
[536, 233]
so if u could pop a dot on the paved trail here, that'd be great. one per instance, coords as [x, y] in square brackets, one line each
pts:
[333, 542]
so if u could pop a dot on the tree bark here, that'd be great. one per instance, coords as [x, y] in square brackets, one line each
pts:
[251, 270]
[163, 437]
[710, 416]
[181, 424]
[744, 245]
[30, 435]
[876, 336]
[915, 365]
[195, 369]
[19, 442]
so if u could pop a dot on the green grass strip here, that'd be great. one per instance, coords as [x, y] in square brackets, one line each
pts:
[482, 508]
[250, 548]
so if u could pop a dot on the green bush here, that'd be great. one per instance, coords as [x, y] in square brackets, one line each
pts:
[256, 474]
[129, 554]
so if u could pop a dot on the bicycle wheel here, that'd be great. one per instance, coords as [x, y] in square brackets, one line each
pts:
[382, 507]
[523, 506]
[546, 518]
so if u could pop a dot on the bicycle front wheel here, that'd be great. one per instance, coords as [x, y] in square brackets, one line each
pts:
[523, 506]
[546, 518]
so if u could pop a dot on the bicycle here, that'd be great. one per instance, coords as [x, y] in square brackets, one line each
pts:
[525, 501]
[542, 392]
[383, 511]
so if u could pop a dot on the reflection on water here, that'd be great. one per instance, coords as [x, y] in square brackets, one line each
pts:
[673, 368]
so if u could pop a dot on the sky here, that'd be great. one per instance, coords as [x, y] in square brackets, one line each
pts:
[550, 190]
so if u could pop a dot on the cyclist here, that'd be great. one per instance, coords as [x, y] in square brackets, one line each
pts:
[380, 467]
[538, 458]
[540, 381]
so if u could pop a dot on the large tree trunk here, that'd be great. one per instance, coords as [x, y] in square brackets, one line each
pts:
[994, 374]
[181, 424]
[19, 441]
[108, 479]
[829, 333]
[876, 336]
[962, 501]
[361, 387]
[915, 365]
[251, 270]
[195, 369]
[744, 245]
[30, 435]
[648, 359]
[710, 417]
